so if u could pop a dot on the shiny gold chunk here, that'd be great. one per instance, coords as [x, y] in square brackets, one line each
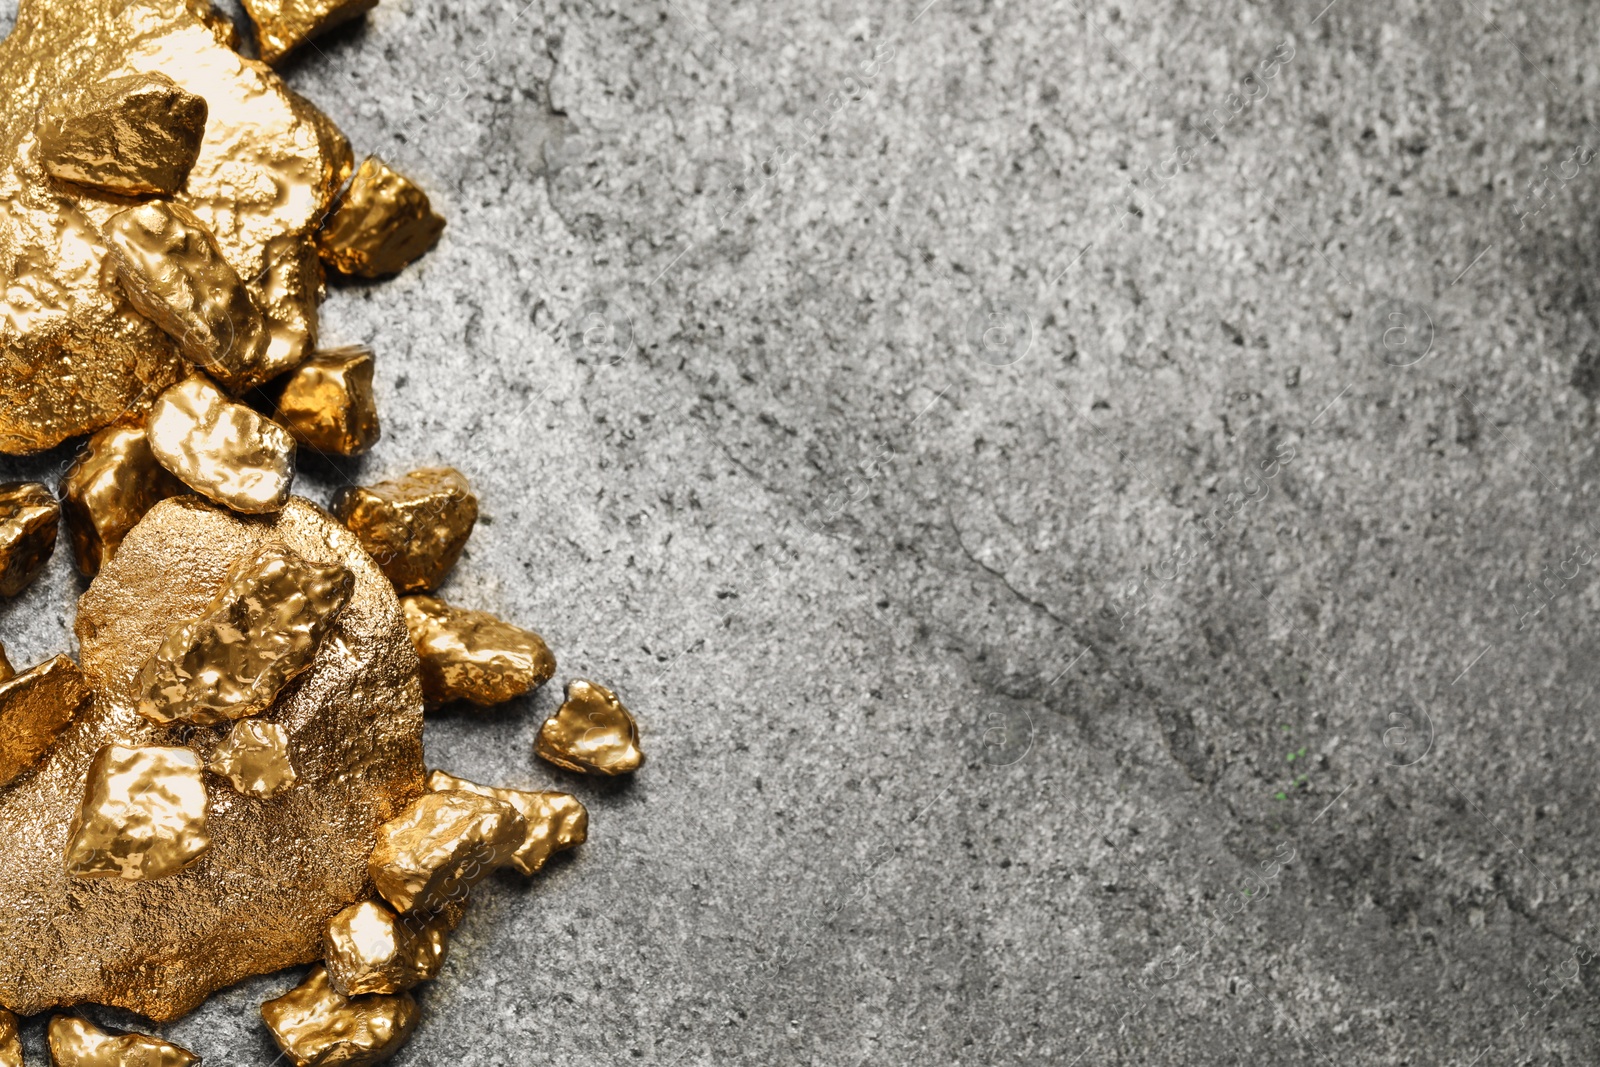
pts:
[370, 949]
[35, 706]
[284, 25]
[221, 449]
[143, 815]
[77, 1042]
[255, 758]
[260, 631]
[111, 484]
[415, 526]
[10, 1040]
[383, 223]
[129, 136]
[317, 1027]
[471, 655]
[556, 821]
[174, 274]
[439, 847]
[76, 358]
[327, 402]
[7, 671]
[591, 733]
[29, 516]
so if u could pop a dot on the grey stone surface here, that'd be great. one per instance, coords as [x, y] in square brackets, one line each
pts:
[969, 689]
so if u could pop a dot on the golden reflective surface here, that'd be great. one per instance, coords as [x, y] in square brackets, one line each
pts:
[77, 1042]
[260, 631]
[284, 25]
[327, 402]
[143, 815]
[592, 733]
[370, 949]
[471, 655]
[221, 449]
[128, 136]
[440, 846]
[317, 1027]
[255, 758]
[10, 1040]
[35, 706]
[29, 517]
[556, 821]
[112, 483]
[415, 526]
[383, 223]
[7, 671]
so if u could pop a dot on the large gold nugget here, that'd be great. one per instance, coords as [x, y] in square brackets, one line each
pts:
[383, 223]
[174, 273]
[284, 25]
[415, 526]
[255, 758]
[591, 733]
[10, 1040]
[221, 449]
[260, 899]
[316, 1027]
[127, 136]
[111, 484]
[73, 354]
[471, 655]
[143, 815]
[370, 949]
[439, 847]
[29, 517]
[77, 1042]
[35, 706]
[327, 402]
[556, 821]
[259, 633]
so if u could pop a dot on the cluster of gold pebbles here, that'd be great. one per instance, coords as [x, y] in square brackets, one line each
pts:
[228, 780]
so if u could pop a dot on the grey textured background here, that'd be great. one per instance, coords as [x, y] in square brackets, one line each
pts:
[968, 689]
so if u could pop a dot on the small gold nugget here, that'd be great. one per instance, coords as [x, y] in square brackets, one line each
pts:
[129, 136]
[317, 1027]
[556, 821]
[173, 272]
[221, 449]
[370, 949]
[29, 516]
[7, 671]
[592, 733]
[415, 526]
[113, 482]
[76, 1042]
[383, 223]
[471, 655]
[143, 815]
[284, 25]
[260, 631]
[35, 706]
[327, 402]
[439, 847]
[255, 758]
[10, 1040]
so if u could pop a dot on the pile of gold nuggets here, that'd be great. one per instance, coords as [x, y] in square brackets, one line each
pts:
[229, 779]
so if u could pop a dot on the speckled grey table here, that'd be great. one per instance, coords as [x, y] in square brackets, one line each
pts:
[984, 443]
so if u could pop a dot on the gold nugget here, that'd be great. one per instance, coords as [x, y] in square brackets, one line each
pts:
[327, 402]
[112, 483]
[174, 273]
[35, 706]
[556, 821]
[284, 25]
[383, 223]
[370, 949]
[316, 1027]
[128, 136]
[77, 1042]
[471, 655]
[29, 516]
[415, 526]
[255, 758]
[440, 846]
[143, 815]
[221, 449]
[592, 733]
[10, 1040]
[260, 631]
[7, 671]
